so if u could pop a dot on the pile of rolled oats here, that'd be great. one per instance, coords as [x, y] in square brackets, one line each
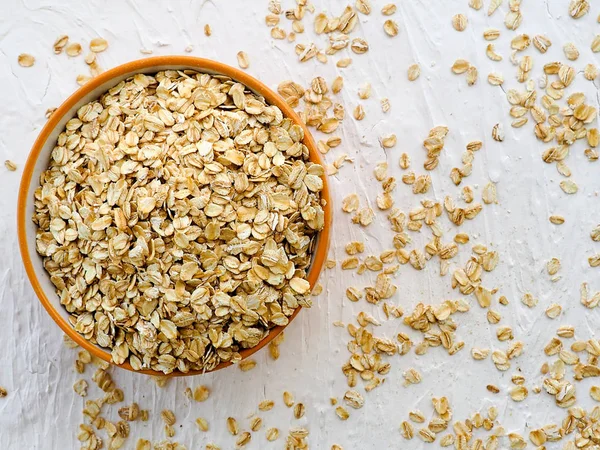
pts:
[177, 220]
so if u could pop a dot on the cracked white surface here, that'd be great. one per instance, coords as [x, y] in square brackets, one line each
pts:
[42, 411]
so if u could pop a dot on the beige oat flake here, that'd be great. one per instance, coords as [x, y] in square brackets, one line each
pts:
[596, 44]
[388, 9]
[476, 4]
[569, 187]
[232, 426]
[60, 43]
[73, 49]
[491, 34]
[414, 70]
[390, 27]
[10, 165]
[242, 59]
[459, 22]
[98, 45]
[26, 60]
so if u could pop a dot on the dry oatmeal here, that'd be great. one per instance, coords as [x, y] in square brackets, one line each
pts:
[177, 220]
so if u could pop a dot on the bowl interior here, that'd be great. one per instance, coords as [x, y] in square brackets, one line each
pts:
[40, 156]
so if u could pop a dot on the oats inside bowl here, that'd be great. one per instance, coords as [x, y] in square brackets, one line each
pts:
[177, 219]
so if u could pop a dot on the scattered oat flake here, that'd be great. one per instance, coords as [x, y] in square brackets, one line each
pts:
[232, 426]
[73, 49]
[407, 430]
[10, 165]
[590, 72]
[299, 410]
[460, 66]
[529, 300]
[207, 30]
[595, 234]
[489, 194]
[342, 413]
[557, 220]
[26, 60]
[90, 58]
[80, 388]
[553, 266]
[359, 45]
[359, 112]
[243, 439]
[519, 393]
[553, 311]
[389, 9]
[363, 6]
[476, 4]
[201, 393]
[388, 142]
[541, 43]
[495, 79]
[272, 434]
[596, 44]
[82, 79]
[414, 70]
[98, 45]
[202, 424]
[493, 6]
[60, 43]
[266, 405]
[459, 22]
[498, 132]
[513, 20]
[242, 58]
[168, 417]
[288, 399]
[390, 27]
[491, 34]
[569, 186]
[571, 52]
[491, 53]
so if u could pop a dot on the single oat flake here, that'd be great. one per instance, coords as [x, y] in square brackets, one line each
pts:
[73, 49]
[10, 165]
[476, 4]
[569, 186]
[459, 22]
[460, 66]
[26, 60]
[390, 27]
[243, 61]
[491, 34]
[60, 43]
[98, 45]
[388, 9]
[414, 70]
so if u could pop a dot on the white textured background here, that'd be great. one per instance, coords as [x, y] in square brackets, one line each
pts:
[42, 411]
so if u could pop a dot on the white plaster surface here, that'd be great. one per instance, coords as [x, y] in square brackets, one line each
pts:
[41, 410]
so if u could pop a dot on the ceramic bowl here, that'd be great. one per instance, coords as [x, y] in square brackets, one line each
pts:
[39, 158]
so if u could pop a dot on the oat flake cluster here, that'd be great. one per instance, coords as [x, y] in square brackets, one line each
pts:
[177, 219]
